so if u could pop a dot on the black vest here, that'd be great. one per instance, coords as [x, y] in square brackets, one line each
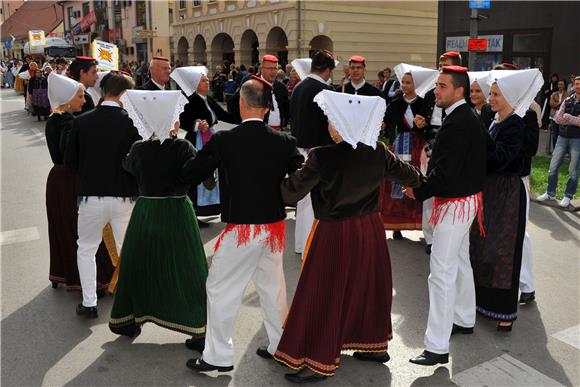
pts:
[572, 107]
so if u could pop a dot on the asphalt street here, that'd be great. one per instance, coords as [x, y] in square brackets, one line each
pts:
[43, 342]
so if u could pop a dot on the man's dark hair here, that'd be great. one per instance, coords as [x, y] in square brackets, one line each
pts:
[322, 60]
[387, 69]
[114, 83]
[77, 66]
[563, 80]
[256, 94]
[242, 67]
[251, 70]
[460, 80]
[60, 61]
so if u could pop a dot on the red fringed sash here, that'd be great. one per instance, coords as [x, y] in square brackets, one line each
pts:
[462, 207]
[276, 239]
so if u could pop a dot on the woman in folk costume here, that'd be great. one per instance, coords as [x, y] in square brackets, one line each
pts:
[38, 89]
[478, 89]
[163, 264]
[398, 211]
[201, 110]
[496, 257]
[66, 97]
[344, 295]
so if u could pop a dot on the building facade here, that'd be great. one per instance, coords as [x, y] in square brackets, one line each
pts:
[141, 29]
[542, 34]
[385, 33]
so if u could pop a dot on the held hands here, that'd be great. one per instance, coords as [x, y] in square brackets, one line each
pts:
[173, 133]
[203, 126]
[409, 192]
[419, 121]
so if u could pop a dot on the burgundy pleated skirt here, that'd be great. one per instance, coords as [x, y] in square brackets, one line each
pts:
[344, 296]
[62, 188]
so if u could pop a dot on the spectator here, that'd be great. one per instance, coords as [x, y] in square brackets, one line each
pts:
[556, 100]
[380, 81]
[217, 83]
[281, 75]
[251, 71]
[568, 119]
[294, 79]
[288, 75]
[571, 85]
[242, 74]
[544, 98]
[230, 87]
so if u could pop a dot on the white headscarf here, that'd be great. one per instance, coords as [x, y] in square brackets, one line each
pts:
[188, 78]
[519, 87]
[482, 78]
[154, 112]
[357, 118]
[61, 89]
[423, 78]
[303, 66]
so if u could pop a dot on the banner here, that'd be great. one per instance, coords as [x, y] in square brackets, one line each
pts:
[107, 54]
[36, 38]
[87, 21]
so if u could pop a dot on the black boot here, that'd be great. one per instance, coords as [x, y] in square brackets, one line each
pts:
[88, 312]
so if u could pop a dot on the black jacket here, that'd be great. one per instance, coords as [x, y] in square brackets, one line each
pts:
[158, 166]
[196, 109]
[281, 94]
[531, 135]
[506, 156]
[252, 160]
[458, 163]
[309, 124]
[366, 89]
[387, 87]
[99, 141]
[149, 85]
[396, 111]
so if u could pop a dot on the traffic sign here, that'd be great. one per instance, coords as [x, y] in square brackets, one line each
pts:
[479, 4]
[477, 45]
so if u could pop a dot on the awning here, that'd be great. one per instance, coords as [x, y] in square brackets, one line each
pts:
[32, 15]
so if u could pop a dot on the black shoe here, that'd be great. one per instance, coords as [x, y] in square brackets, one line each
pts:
[263, 352]
[527, 298]
[428, 249]
[397, 235]
[88, 312]
[299, 379]
[459, 329]
[202, 224]
[379, 357]
[101, 293]
[195, 344]
[55, 285]
[505, 326]
[202, 366]
[430, 359]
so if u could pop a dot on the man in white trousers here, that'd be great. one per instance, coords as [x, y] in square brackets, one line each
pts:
[527, 289]
[455, 179]
[99, 141]
[252, 160]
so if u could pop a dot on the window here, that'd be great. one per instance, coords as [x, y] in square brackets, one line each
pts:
[170, 15]
[196, 3]
[141, 13]
[86, 8]
[182, 4]
[530, 42]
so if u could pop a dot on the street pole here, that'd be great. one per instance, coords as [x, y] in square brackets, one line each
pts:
[473, 35]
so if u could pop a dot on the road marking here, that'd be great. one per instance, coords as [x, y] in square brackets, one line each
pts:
[503, 371]
[19, 235]
[570, 336]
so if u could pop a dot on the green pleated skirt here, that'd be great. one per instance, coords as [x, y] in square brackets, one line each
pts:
[163, 269]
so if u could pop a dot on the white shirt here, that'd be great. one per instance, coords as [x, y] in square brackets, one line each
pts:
[162, 87]
[358, 85]
[110, 103]
[450, 109]
[274, 116]
[436, 116]
[318, 78]
[252, 119]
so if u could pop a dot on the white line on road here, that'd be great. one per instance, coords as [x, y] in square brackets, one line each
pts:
[503, 371]
[19, 235]
[570, 336]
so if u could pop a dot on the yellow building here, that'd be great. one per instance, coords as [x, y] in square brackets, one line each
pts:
[385, 32]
